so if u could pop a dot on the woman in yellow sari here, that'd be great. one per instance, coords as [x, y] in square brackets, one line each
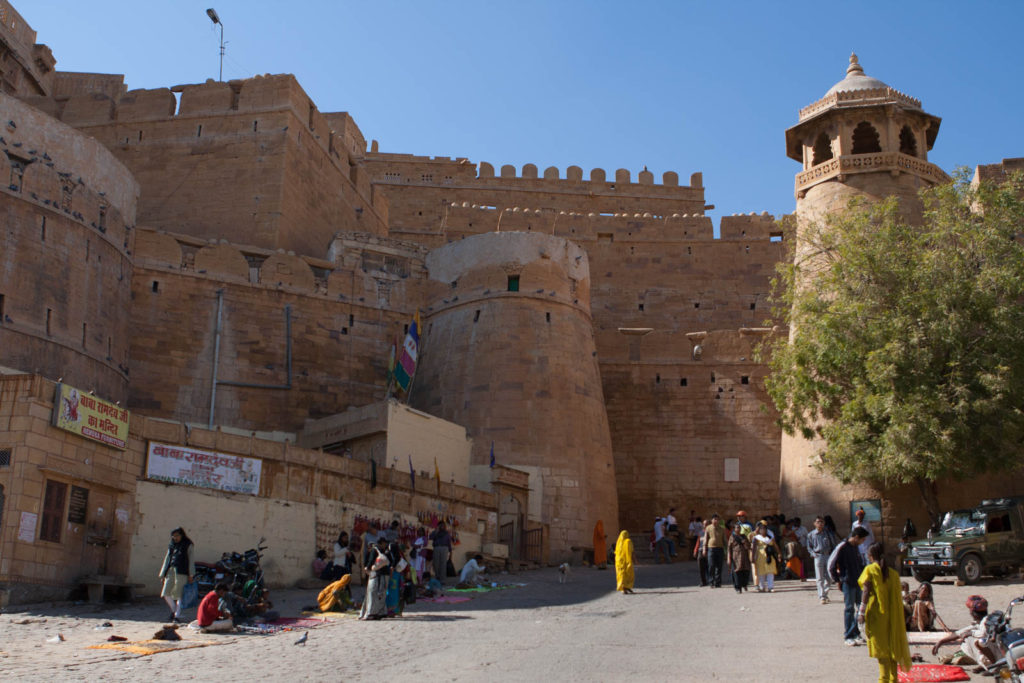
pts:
[600, 546]
[624, 563]
[881, 609]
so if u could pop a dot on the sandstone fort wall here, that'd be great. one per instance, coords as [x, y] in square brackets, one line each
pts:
[68, 209]
[251, 161]
[343, 316]
[519, 369]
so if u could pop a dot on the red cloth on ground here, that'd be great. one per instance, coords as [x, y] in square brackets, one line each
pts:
[209, 610]
[933, 672]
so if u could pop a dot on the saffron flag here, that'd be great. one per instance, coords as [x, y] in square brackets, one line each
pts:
[406, 366]
[437, 476]
[412, 473]
[492, 454]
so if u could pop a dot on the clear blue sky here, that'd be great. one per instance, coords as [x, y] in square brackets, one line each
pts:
[687, 86]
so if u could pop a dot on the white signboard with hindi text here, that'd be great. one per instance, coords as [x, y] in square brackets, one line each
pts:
[205, 469]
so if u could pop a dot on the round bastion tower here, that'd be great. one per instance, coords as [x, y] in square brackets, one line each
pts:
[509, 353]
[862, 139]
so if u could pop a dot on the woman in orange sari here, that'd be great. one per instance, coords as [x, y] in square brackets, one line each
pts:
[600, 546]
[624, 563]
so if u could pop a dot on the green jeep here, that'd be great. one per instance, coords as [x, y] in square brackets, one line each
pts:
[988, 539]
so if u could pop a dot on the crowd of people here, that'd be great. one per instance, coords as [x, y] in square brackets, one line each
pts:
[395, 572]
[879, 608]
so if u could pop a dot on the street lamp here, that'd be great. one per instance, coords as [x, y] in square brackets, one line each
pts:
[212, 13]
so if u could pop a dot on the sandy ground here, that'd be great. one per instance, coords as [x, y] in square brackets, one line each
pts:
[671, 629]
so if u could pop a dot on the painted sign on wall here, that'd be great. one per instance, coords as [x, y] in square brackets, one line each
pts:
[204, 469]
[90, 417]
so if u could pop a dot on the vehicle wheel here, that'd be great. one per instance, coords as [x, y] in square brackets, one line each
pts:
[922, 575]
[970, 568]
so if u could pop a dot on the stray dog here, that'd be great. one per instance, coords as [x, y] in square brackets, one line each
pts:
[563, 572]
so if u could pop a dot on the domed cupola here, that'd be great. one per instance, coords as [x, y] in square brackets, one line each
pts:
[862, 125]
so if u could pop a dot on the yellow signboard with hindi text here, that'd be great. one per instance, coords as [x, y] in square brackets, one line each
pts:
[90, 417]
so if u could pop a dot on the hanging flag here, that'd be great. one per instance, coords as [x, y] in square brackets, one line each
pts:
[492, 454]
[412, 473]
[373, 473]
[437, 476]
[406, 366]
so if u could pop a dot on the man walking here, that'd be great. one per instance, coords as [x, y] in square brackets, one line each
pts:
[844, 566]
[714, 544]
[820, 544]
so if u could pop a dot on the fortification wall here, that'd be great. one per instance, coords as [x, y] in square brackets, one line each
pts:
[68, 209]
[519, 369]
[250, 161]
[422, 190]
[344, 315]
[26, 68]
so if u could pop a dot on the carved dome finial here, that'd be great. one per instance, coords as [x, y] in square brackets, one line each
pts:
[855, 67]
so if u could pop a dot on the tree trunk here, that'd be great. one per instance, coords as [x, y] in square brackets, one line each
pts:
[930, 496]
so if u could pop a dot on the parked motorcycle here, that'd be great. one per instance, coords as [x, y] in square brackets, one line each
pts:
[234, 568]
[1006, 642]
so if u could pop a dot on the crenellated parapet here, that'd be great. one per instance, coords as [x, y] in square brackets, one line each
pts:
[407, 169]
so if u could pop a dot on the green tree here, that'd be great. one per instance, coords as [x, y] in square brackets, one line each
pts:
[906, 352]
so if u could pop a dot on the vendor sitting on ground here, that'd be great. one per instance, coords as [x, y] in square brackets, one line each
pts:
[969, 637]
[430, 587]
[923, 613]
[336, 597]
[471, 572]
[214, 614]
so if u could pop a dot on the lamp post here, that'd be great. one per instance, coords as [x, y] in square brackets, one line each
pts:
[212, 13]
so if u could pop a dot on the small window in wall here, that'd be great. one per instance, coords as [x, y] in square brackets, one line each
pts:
[2, 310]
[908, 142]
[640, 307]
[42, 229]
[712, 378]
[696, 304]
[753, 306]
[85, 333]
[682, 382]
[49, 320]
[732, 469]
[5, 456]
[156, 286]
[547, 317]
[822, 149]
[745, 379]
[199, 131]
[865, 139]
[53, 511]
[513, 283]
[476, 316]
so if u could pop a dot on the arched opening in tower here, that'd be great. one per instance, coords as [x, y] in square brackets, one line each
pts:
[865, 139]
[822, 149]
[908, 142]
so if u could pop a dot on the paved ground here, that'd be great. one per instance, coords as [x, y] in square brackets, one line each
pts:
[582, 630]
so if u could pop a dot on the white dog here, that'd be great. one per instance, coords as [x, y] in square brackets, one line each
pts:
[563, 572]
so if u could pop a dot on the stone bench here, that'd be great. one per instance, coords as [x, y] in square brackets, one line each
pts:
[96, 585]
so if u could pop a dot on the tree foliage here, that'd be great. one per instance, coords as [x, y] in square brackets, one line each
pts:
[906, 352]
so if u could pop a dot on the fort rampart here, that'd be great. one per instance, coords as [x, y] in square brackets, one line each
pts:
[65, 266]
